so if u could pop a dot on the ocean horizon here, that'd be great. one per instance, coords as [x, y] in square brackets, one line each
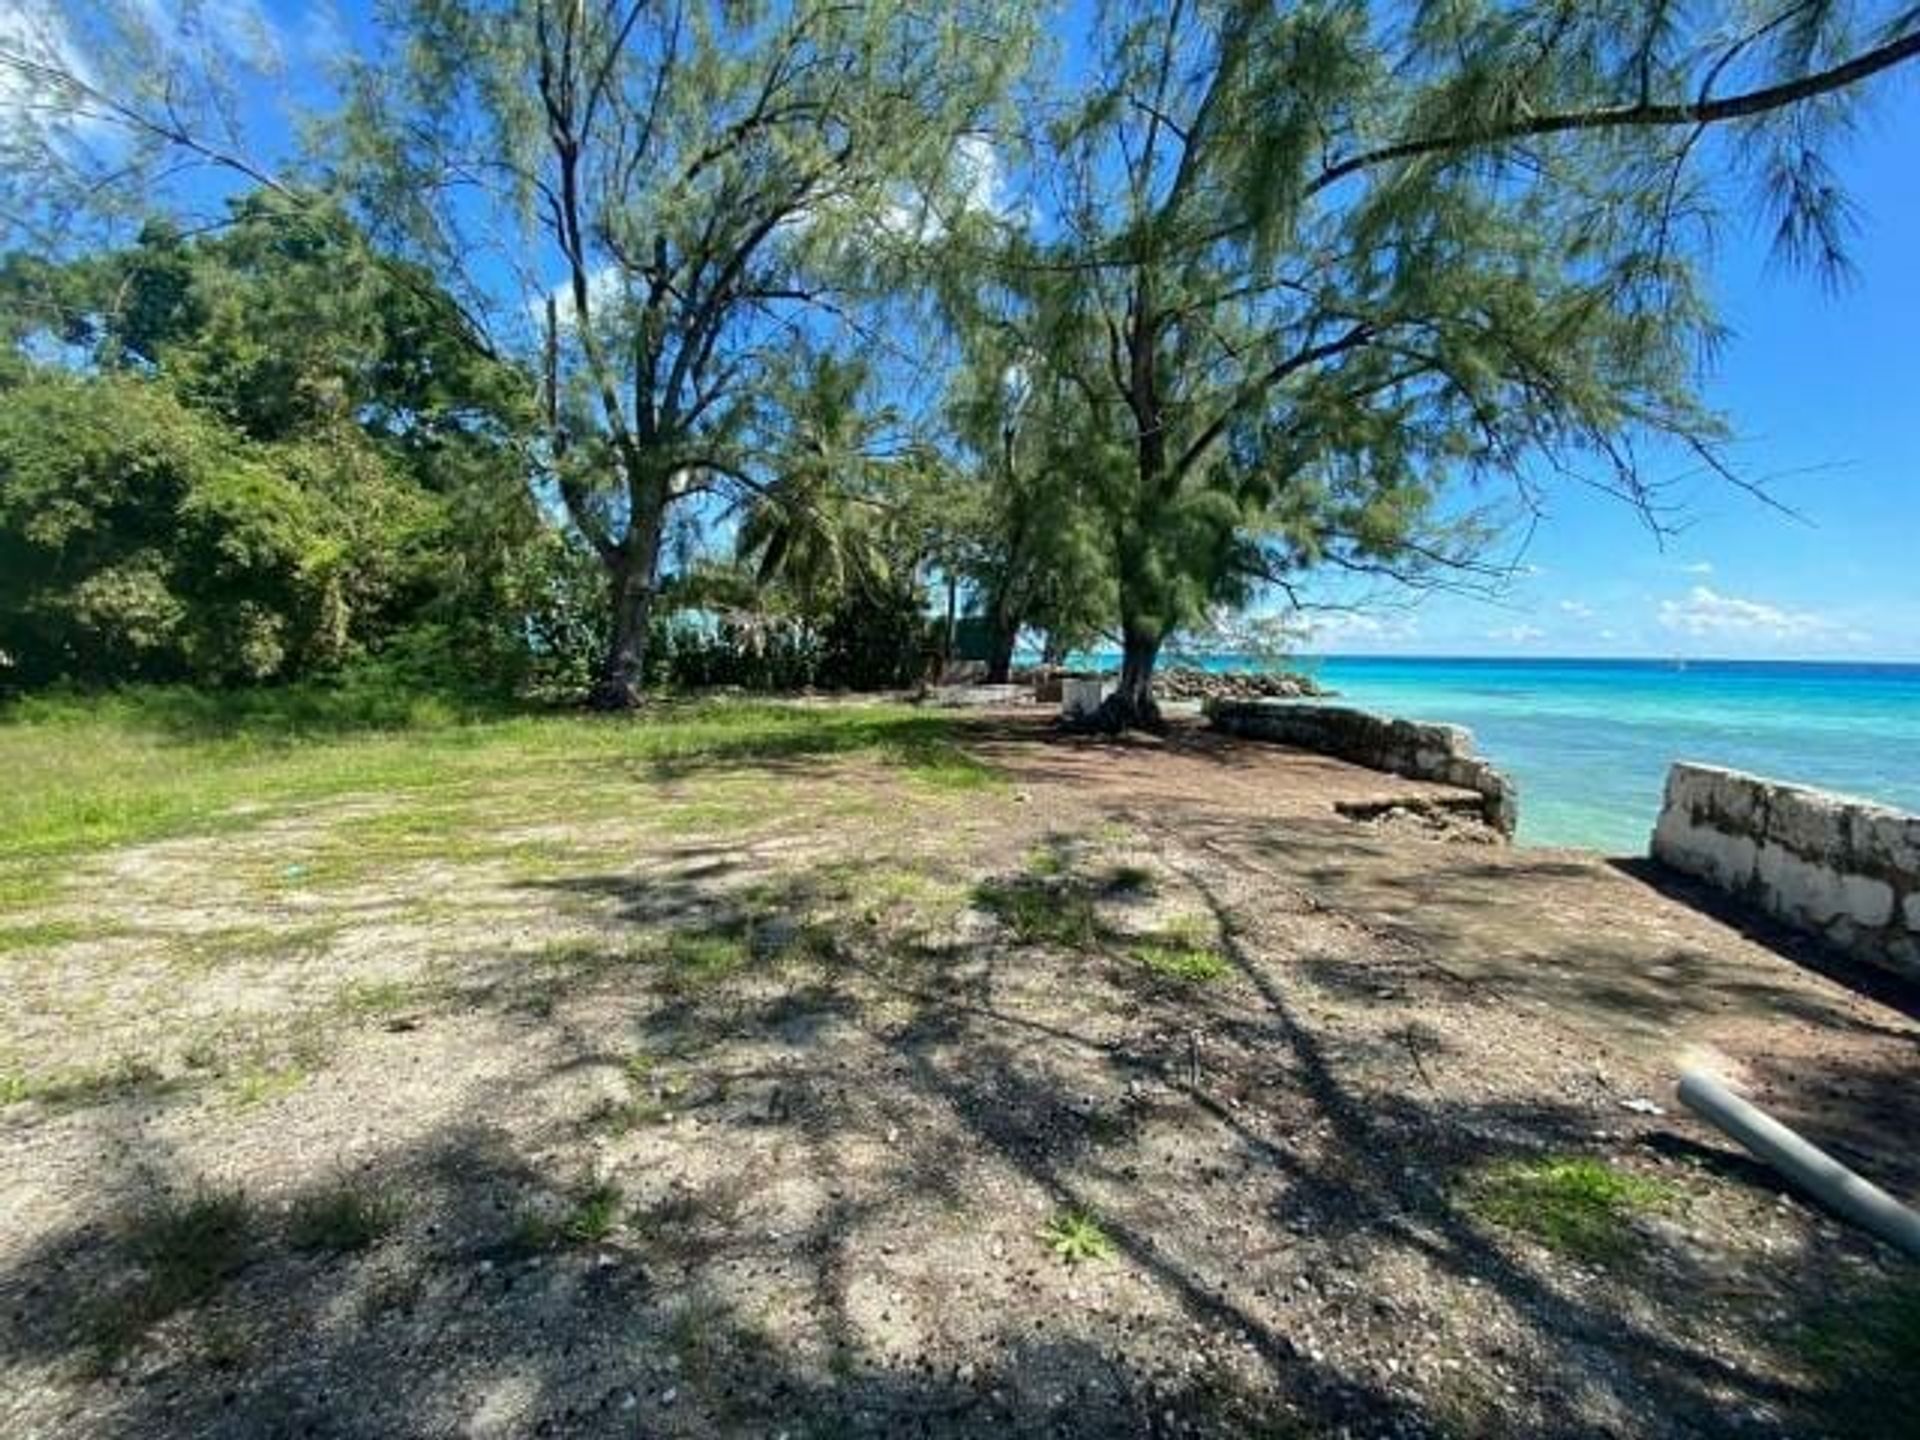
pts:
[1589, 740]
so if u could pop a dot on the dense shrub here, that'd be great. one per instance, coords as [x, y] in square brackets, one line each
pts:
[143, 540]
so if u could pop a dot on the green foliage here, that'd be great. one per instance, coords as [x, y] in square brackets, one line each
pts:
[1042, 912]
[592, 1214]
[1581, 1206]
[284, 456]
[1315, 284]
[868, 641]
[704, 193]
[1284, 289]
[141, 764]
[1184, 952]
[346, 1216]
[595, 1214]
[1023, 521]
[1076, 1237]
[185, 1248]
[1864, 1351]
[704, 956]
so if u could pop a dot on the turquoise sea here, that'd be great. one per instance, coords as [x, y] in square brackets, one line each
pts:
[1589, 741]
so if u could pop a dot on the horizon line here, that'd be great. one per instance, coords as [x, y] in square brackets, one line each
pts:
[1645, 659]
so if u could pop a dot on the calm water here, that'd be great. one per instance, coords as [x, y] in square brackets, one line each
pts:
[1589, 741]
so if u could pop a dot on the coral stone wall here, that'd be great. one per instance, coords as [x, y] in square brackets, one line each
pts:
[1442, 753]
[1844, 869]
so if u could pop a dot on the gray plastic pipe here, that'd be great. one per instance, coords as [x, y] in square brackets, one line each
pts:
[1809, 1167]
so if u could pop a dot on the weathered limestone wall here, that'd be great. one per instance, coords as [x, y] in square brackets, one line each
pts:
[1442, 753]
[1844, 869]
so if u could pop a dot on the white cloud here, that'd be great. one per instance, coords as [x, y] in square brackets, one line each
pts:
[322, 34]
[1349, 626]
[1517, 634]
[44, 38]
[606, 287]
[976, 162]
[1697, 567]
[976, 178]
[1576, 609]
[239, 29]
[1706, 613]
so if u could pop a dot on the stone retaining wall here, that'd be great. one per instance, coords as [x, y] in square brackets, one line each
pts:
[1442, 753]
[1844, 869]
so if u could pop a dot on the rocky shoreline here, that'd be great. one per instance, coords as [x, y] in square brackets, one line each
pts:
[1190, 682]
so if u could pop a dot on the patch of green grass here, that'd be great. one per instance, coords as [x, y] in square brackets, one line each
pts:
[623, 1117]
[377, 998]
[238, 944]
[186, 1247]
[1046, 861]
[589, 957]
[884, 891]
[935, 763]
[645, 1103]
[696, 1335]
[82, 1086]
[258, 1084]
[592, 1214]
[1076, 1237]
[44, 934]
[715, 815]
[89, 772]
[1042, 914]
[1864, 1351]
[189, 1244]
[29, 884]
[707, 955]
[1182, 951]
[343, 1216]
[1574, 1204]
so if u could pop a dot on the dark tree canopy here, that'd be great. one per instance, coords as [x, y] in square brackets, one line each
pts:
[267, 449]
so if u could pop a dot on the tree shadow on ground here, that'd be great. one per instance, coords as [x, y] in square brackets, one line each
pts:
[1803, 950]
[1562, 933]
[859, 1110]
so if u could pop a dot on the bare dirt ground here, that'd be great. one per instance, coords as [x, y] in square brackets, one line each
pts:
[755, 1108]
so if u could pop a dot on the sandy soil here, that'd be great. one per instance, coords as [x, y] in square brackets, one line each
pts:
[758, 1126]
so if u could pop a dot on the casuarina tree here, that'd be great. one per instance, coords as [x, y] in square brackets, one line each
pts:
[1312, 266]
[711, 184]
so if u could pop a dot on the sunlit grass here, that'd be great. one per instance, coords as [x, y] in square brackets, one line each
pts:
[1580, 1206]
[1185, 949]
[91, 772]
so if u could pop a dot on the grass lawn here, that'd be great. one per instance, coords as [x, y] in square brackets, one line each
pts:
[379, 1065]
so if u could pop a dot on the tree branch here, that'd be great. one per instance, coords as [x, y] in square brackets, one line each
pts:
[1640, 115]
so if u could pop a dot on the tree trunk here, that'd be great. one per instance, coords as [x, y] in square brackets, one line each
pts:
[1000, 652]
[623, 674]
[953, 624]
[1131, 706]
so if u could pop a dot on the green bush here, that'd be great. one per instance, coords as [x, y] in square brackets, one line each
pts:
[143, 541]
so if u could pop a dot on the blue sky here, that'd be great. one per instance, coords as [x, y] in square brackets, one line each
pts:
[1822, 389]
